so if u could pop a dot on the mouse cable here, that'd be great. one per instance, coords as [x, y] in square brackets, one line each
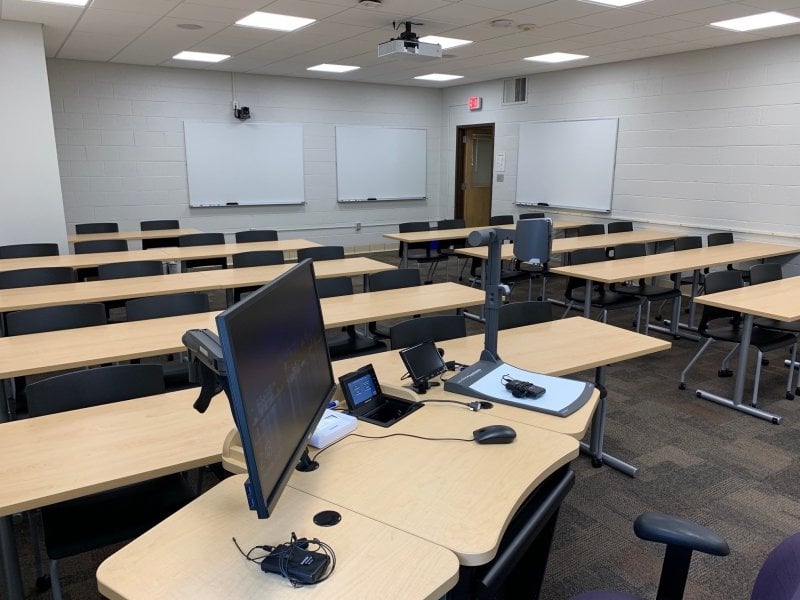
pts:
[473, 406]
[381, 437]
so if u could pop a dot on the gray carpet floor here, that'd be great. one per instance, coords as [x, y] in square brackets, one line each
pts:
[729, 471]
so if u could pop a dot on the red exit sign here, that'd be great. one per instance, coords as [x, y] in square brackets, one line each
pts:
[474, 102]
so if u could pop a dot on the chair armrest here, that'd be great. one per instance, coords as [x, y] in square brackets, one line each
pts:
[674, 531]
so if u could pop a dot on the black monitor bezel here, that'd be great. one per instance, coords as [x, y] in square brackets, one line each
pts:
[264, 507]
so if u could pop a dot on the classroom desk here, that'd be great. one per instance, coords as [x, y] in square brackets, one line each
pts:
[191, 555]
[451, 234]
[138, 287]
[109, 446]
[614, 271]
[772, 300]
[560, 347]
[163, 254]
[131, 235]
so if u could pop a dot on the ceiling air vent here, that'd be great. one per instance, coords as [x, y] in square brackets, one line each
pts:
[515, 90]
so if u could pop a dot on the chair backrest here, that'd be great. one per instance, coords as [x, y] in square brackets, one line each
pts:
[27, 250]
[94, 246]
[93, 387]
[321, 253]
[169, 305]
[531, 215]
[591, 229]
[256, 235]
[160, 224]
[201, 239]
[720, 238]
[436, 328]
[55, 318]
[689, 242]
[619, 226]
[765, 272]
[396, 278]
[413, 227]
[582, 257]
[96, 228]
[501, 220]
[451, 224]
[720, 281]
[327, 287]
[518, 314]
[258, 258]
[33, 277]
[571, 232]
[135, 268]
[629, 250]
[779, 576]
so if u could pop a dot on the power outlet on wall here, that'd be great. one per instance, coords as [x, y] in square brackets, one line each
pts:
[358, 226]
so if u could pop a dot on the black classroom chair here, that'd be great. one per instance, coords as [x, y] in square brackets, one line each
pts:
[28, 250]
[436, 328]
[256, 235]
[165, 242]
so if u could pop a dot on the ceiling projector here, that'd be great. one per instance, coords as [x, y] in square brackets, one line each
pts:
[409, 45]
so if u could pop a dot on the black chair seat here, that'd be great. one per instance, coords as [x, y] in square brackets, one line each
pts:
[652, 292]
[119, 514]
[774, 324]
[763, 339]
[605, 298]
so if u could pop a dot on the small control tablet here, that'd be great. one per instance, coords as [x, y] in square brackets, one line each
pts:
[423, 362]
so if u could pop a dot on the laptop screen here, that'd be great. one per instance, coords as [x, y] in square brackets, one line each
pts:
[362, 389]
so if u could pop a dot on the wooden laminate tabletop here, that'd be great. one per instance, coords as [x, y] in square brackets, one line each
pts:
[72, 348]
[775, 299]
[457, 234]
[612, 271]
[163, 254]
[191, 555]
[131, 235]
[561, 245]
[560, 347]
[137, 287]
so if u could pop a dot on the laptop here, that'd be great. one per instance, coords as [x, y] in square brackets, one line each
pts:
[365, 401]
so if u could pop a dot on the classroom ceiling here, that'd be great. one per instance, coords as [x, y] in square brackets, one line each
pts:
[150, 32]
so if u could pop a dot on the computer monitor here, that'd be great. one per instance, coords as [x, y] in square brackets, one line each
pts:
[279, 376]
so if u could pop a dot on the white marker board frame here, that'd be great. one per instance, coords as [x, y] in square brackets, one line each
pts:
[234, 164]
[381, 163]
[567, 164]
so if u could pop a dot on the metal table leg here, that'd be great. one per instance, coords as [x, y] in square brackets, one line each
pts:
[587, 302]
[595, 446]
[8, 552]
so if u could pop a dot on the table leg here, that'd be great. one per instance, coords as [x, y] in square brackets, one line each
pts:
[587, 302]
[404, 261]
[8, 552]
[738, 390]
[595, 446]
[5, 409]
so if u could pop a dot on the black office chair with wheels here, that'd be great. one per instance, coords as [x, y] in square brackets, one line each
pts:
[518, 314]
[422, 252]
[77, 526]
[350, 342]
[778, 578]
[646, 292]
[82, 228]
[501, 220]
[321, 253]
[591, 229]
[35, 277]
[203, 239]
[256, 235]
[28, 250]
[390, 280]
[158, 225]
[602, 298]
[254, 258]
[719, 324]
[49, 318]
[619, 226]
[531, 215]
[436, 328]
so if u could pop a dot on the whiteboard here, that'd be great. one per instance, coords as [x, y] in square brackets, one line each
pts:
[380, 163]
[567, 164]
[230, 164]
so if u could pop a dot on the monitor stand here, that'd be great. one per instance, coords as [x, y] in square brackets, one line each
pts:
[305, 464]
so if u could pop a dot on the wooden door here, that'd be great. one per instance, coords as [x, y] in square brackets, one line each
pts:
[477, 168]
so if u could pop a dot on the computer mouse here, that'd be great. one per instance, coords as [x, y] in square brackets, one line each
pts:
[494, 434]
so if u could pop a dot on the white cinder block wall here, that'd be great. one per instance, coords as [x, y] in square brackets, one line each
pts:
[119, 133]
[707, 139]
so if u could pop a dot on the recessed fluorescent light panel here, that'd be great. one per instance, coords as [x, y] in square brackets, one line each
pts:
[444, 42]
[438, 77]
[556, 57]
[615, 3]
[760, 21]
[201, 56]
[65, 2]
[264, 20]
[326, 68]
